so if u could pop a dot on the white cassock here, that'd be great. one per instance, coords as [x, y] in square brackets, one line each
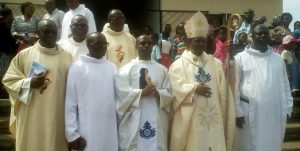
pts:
[74, 48]
[143, 121]
[90, 104]
[263, 82]
[80, 10]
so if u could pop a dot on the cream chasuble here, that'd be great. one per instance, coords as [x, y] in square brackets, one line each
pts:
[143, 121]
[90, 104]
[121, 49]
[39, 123]
[199, 122]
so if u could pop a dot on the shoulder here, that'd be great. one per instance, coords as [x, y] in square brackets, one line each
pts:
[161, 67]
[60, 11]
[64, 52]
[18, 18]
[110, 64]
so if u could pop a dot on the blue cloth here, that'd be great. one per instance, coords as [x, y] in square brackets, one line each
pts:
[244, 28]
[294, 70]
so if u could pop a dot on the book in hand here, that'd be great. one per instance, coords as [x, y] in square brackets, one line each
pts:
[37, 68]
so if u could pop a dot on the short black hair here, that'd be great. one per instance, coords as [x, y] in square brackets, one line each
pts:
[4, 12]
[24, 6]
[290, 17]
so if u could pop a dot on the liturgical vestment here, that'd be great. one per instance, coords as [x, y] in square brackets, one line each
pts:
[121, 49]
[199, 122]
[263, 82]
[143, 121]
[90, 104]
[37, 119]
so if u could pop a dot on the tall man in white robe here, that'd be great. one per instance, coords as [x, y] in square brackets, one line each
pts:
[36, 83]
[203, 119]
[76, 44]
[77, 9]
[264, 98]
[121, 49]
[90, 112]
[143, 102]
[54, 14]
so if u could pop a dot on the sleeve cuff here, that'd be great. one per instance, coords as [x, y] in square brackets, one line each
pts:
[26, 92]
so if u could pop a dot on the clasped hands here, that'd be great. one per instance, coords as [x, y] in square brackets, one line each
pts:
[203, 89]
[149, 90]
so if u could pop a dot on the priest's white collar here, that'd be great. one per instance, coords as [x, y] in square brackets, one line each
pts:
[113, 33]
[77, 43]
[49, 51]
[88, 59]
[255, 52]
[137, 60]
[195, 58]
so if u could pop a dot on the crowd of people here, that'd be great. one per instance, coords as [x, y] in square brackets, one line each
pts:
[72, 87]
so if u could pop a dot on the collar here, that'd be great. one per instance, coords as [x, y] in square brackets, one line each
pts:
[137, 60]
[49, 51]
[88, 59]
[113, 33]
[255, 52]
[77, 43]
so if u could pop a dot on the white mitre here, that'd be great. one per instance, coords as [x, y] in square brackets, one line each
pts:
[196, 26]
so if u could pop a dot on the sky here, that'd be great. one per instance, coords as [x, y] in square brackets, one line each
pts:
[293, 7]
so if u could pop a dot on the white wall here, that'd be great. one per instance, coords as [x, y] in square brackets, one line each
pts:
[268, 8]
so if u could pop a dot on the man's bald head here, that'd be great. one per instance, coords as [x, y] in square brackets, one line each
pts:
[97, 44]
[79, 27]
[116, 20]
[47, 31]
[79, 18]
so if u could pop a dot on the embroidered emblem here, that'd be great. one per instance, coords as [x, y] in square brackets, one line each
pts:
[208, 115]
[147, 132]
[201, 76]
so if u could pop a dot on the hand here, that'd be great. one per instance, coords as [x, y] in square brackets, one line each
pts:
[239, 122]
[203, 89]
[78, 144]
[37, 80]
[149, 90]
[229, 47]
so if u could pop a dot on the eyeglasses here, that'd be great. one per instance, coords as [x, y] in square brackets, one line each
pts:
[82, 25]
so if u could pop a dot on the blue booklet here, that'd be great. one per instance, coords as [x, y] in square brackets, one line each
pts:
[36, 68]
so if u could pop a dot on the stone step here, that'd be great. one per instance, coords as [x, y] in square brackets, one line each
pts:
[295, 116]
[4, 107]
[4, 124]
[292, 132]
[291, 146]
[7, 142]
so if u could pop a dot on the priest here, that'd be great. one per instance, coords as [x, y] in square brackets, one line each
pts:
[203, 119]
[143, 102]
[36, 83]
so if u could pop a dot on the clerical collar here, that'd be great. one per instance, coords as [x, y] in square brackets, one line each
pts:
[195, 58]
[77, 43]
[255, 52]
[88, 59]
[114, 33]
[144, 61]
[49, 51]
